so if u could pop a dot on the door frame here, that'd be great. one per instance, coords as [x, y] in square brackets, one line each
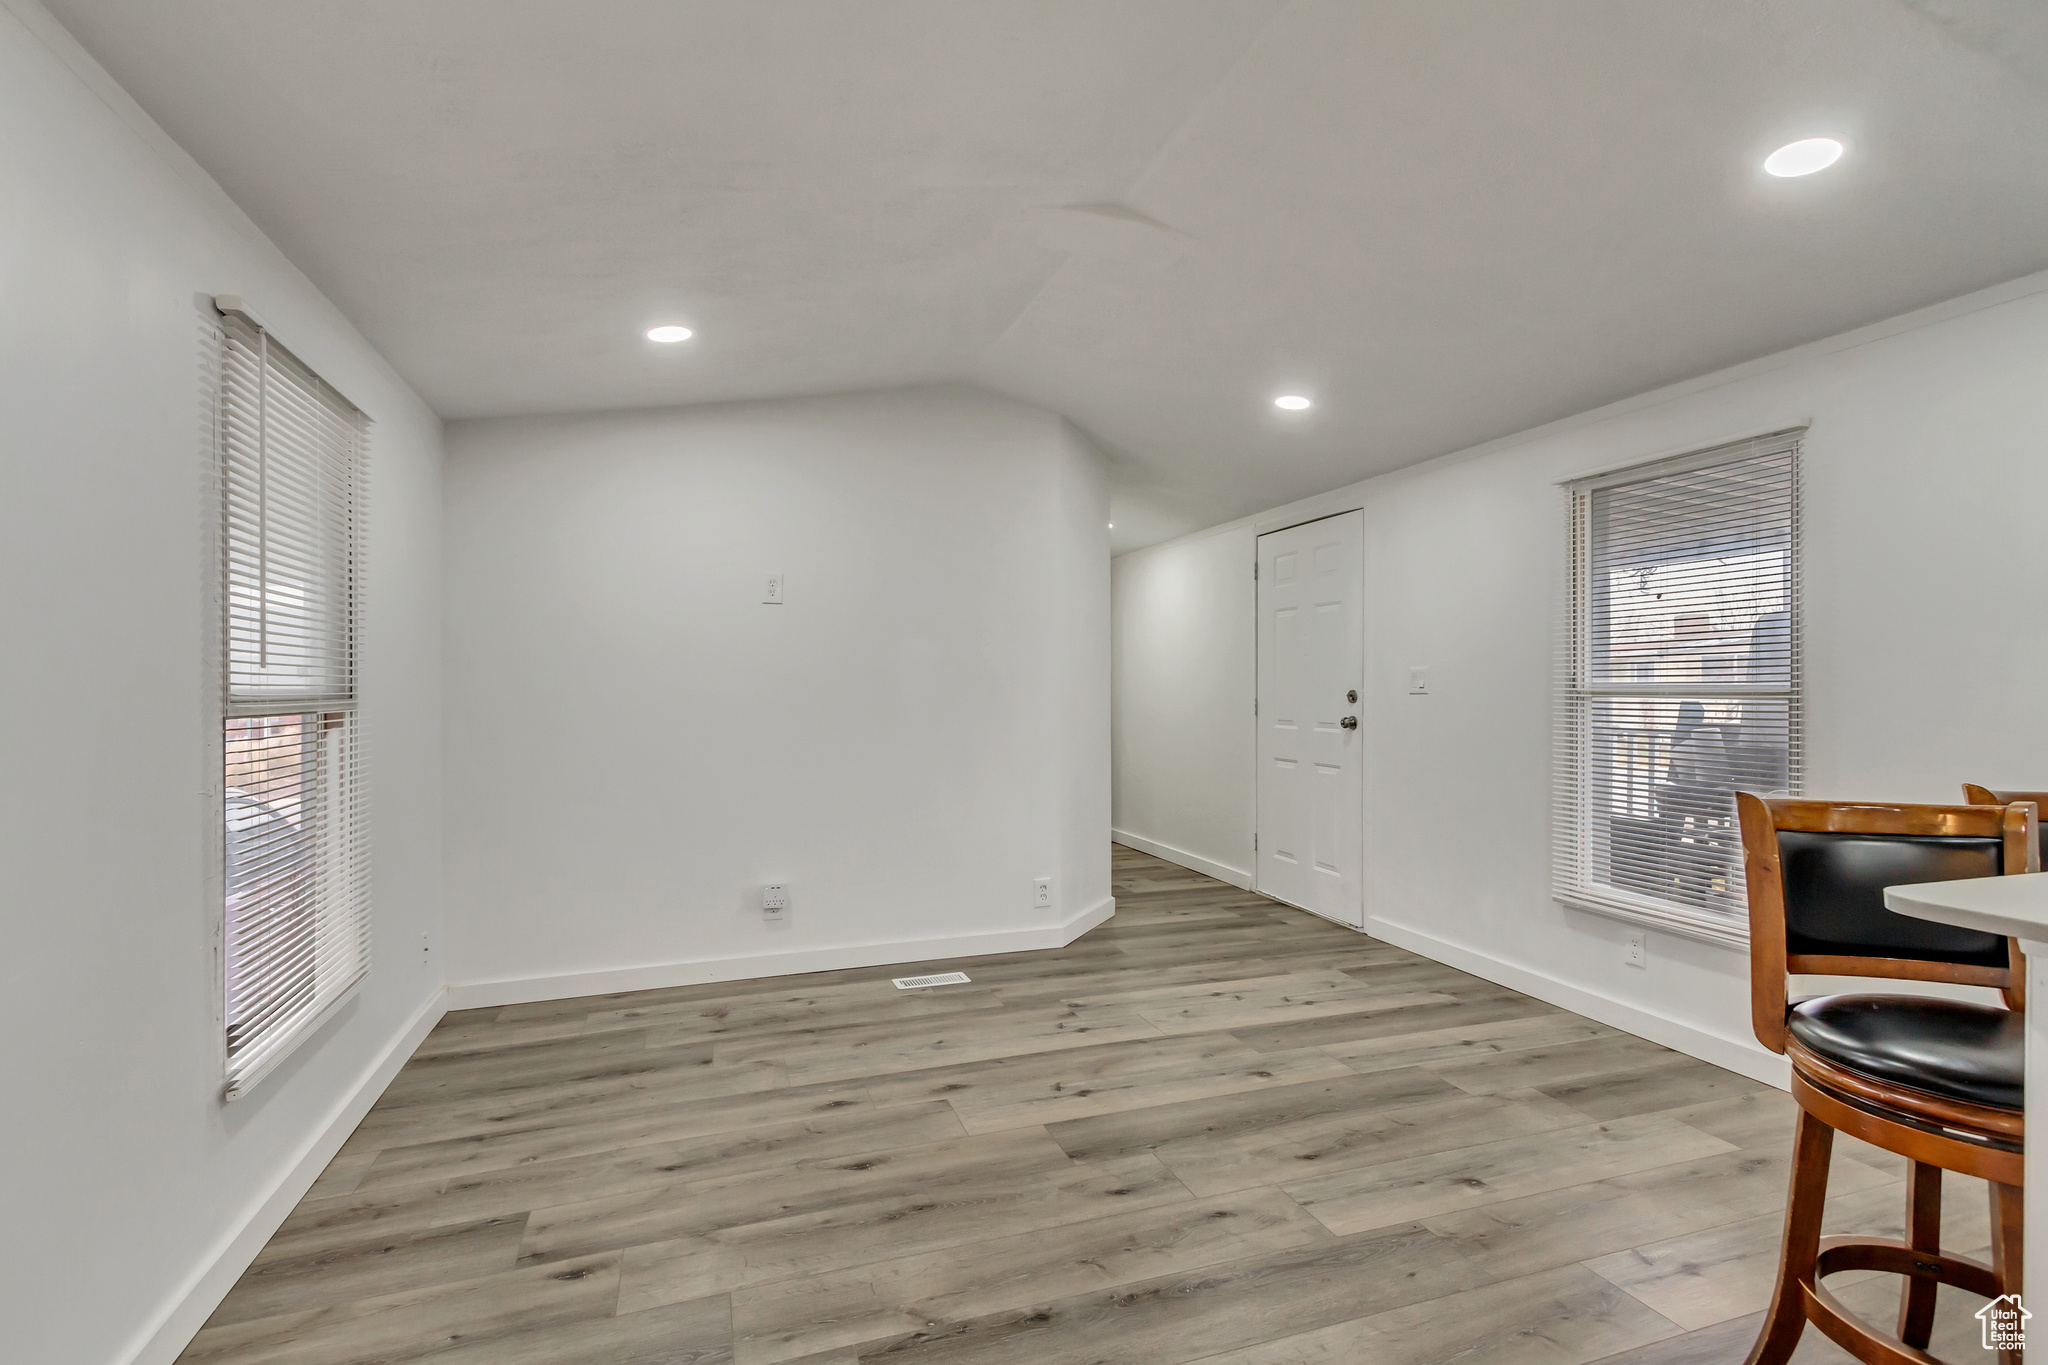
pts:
[1286, 523]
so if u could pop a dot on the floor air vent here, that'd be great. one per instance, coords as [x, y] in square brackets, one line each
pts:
[911, 983]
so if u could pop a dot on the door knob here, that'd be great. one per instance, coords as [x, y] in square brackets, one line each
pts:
[1349, 722]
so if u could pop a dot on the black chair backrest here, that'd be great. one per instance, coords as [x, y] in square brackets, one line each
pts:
[1834, 895]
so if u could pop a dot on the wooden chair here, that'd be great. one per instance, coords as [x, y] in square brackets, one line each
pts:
[1984, 796]
[1938, 1081]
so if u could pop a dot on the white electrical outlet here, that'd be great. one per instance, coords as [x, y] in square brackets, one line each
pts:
[772, 591]
[1041, 892]
[1633, 954]
[774, 901]
[426, 951]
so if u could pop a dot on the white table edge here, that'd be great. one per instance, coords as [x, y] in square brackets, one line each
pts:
[2015, 906]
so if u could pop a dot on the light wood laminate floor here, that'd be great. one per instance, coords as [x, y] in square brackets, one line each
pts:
[1214, 1129]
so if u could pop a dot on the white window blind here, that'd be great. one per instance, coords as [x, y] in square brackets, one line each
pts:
[1678, 681]
[291, 477]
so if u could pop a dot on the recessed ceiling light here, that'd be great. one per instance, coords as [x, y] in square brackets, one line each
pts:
[1292, 402]
[1804, 157]
[1112, 526]
[666, 334]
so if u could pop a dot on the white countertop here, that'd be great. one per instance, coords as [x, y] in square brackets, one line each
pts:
[2014, 906]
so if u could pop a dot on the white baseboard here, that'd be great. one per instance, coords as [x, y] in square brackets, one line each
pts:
[194, 1301]
[1074, 926]
[1741, 1056]
[570, 985]
[1193, 862]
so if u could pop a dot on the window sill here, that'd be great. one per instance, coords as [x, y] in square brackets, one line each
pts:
[1725, 931]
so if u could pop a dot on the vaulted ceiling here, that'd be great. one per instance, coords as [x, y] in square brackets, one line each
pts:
[1443, 221]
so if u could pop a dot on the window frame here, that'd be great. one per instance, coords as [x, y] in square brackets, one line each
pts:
[330, 771]
[1574, 771]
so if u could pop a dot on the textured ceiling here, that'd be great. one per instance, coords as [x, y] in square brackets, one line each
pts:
[1445, 221]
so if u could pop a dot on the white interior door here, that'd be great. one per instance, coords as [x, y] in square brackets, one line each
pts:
[1311, 789]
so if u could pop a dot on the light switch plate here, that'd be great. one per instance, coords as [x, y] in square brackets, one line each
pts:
[1418, 681]
[773, 591]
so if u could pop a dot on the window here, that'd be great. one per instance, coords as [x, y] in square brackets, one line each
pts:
[291, 455]
[1678, 681]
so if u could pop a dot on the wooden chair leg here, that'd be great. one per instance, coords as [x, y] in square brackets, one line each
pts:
[2008, 1235]
[1923, 1233]
[1812, 1143]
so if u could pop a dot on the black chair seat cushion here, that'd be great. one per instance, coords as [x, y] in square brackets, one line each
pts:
[1973, 1053]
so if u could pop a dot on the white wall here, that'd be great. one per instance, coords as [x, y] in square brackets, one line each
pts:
[1081, 666]
[1926, 647]
[1184, 738]
[636, 743]
[132, 1195]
